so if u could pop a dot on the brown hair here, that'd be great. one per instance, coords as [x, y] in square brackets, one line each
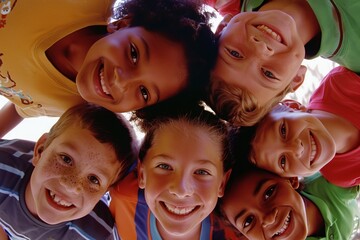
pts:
[106, 126]
[197, 116]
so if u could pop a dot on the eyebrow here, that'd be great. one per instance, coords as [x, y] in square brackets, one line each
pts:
[157, 93]
[239, 215]
[259, 186]
[147, 48]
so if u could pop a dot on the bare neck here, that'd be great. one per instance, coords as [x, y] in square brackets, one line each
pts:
[315, 221]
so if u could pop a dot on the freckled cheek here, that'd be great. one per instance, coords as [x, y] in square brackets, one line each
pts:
[53, 168]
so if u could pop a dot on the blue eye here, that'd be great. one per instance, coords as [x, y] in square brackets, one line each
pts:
[164, 166]
[234, 53]
[202, 172]
[268, 74]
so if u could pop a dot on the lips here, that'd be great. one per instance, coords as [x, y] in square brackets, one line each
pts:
[270, 32]
[58, 201]
[313, 149]
[180, 211]
[284, 227]
[100, 82]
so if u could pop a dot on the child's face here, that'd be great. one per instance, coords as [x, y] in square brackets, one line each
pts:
[182, 175]
[132, 68]
[261, 52]
[292, 144]
[70, 176]
[264, 206]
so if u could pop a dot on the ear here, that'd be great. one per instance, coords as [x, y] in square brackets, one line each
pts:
[293, 104]
[224, 22]
[39, 148]
[223, 183]
[298, 79]
[118, 24]
[294, 182]
[141, 177]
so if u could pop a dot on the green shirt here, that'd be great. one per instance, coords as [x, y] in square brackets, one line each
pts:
[337, 205]
[340, 27]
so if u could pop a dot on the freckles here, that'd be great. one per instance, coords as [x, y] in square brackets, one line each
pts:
[52, 167]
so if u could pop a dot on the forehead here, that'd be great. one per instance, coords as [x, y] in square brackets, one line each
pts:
[245, 189]
[185, 140]
[81, 143]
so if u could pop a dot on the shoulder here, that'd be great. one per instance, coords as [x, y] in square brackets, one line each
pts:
[98, 224]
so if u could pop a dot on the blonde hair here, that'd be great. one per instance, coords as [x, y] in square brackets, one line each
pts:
[237, 105]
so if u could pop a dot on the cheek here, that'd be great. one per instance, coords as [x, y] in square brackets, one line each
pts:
[208, 191]
[51, 167]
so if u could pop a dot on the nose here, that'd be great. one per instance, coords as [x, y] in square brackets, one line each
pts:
[71, 184]
[297, 147]
[269, 218]
[261, 47]
[121, 79]
[182, 187]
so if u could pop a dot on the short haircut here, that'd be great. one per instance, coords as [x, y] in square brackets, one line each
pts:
[106, 126]
[237, 105]
[241, 138]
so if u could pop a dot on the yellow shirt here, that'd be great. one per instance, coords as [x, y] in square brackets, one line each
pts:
[27, 30]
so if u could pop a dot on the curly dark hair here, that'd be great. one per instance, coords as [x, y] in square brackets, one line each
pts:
[184, 22]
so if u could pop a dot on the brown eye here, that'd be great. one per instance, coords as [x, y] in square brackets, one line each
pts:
[93, 179]
[248, 221]
[134, 55]
[144, 93]
[66, 159]
[269, 192]
[282, 162]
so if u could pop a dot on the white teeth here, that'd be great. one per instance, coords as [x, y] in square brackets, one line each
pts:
[179, 210]
[101, 74]
[284, 227]
[269, 31]
[59, 201]
[313, 149]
